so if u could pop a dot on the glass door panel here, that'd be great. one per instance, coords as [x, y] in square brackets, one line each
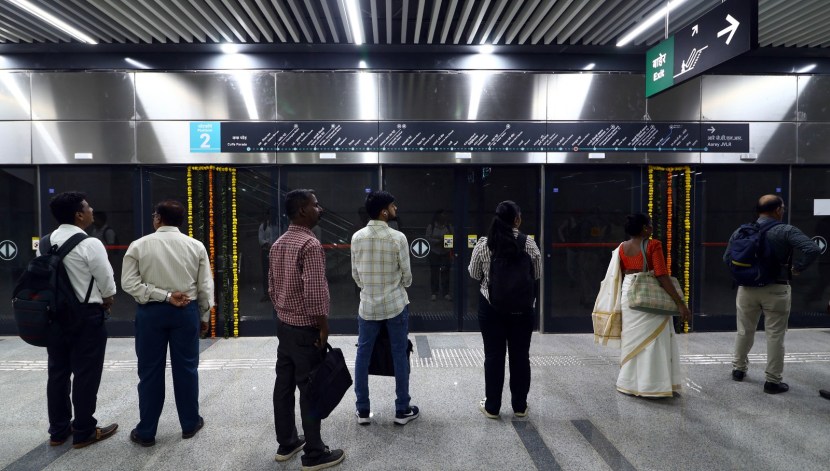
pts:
[807, 211]
[586, 210]
[427, 211]
[486, 188]
[18, 200]
[341, 192]
[727, 197]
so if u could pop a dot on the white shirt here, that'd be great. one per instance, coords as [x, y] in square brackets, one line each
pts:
[87, 261]
[167, 261]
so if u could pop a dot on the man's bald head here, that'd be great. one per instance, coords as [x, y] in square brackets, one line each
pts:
[769, 205]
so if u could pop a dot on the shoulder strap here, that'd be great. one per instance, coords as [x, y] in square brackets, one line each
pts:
[522, 240]
[643, 246]
[70, 244]
[67, 247]
[44, 242]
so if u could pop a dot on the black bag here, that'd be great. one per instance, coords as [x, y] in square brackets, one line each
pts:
[43, 299]
[328, 383]
[751, 259]
[512, 287]
[381, 363]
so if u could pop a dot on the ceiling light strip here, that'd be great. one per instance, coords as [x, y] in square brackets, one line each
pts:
[53, 20]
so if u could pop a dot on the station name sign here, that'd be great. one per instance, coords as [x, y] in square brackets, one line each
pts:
[726, 31]
[455, 136]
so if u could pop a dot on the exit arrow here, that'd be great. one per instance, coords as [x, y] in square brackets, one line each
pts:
[695, 30]
[711, 129]
[733, 26]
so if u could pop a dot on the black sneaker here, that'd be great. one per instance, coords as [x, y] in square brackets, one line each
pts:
[776, 388]
[824, 393]
[404, 417]
[364, 417]
[328, 459]
[285, 453]
[738, 375]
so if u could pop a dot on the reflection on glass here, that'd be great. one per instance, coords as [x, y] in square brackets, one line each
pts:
[586, 215]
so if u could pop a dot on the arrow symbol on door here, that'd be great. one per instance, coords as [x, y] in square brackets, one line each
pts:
[733, 26]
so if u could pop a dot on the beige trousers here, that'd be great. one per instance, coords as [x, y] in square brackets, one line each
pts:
[774, 301]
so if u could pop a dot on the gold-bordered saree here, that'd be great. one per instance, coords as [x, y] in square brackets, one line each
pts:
[649, 357]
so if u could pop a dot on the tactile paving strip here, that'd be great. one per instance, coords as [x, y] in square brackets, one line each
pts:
[441, 358]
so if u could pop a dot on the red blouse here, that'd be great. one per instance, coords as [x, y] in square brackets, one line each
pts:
[656, 260]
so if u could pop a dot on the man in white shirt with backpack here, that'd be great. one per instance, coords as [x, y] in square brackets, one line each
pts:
[77, 348]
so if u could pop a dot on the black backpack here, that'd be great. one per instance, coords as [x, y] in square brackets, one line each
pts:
[750, 259]
[512, 287]
[381, 363]
[43, 299]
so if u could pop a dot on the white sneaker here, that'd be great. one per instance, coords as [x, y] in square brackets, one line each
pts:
[433, 298]
[448, 297]
[364, 417]
[484, 410]
[522, 413]
[403, 418]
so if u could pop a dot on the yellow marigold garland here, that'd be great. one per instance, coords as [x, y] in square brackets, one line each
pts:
[687, 222]
[189, 202]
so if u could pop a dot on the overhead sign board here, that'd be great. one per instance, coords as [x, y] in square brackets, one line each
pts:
[726, 31]
[463, 138]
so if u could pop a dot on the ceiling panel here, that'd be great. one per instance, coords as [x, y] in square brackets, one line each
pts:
[525, 23]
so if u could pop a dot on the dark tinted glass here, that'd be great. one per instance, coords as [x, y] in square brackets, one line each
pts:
[17, 209]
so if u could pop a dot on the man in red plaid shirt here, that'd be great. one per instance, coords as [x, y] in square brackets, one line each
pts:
[299, 290]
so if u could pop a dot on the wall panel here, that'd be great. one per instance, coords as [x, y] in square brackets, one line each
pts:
[327, 96]
[83, 142]
[473, 96]
[15, 96]
[814, 98]
[748, 98]
[232, 96]
[16, 137]
[96, 96]
[596, 97]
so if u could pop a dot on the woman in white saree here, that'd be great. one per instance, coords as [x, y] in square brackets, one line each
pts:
[649, 358]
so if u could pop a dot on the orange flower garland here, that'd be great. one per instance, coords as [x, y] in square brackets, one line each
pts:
[687, 222]
[212, 249]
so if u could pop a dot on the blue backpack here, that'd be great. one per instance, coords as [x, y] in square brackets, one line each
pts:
[750, 258]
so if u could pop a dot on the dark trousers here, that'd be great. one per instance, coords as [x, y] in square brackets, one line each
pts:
[297, 357]
[439, 273]
[503, 333]
[158, 325]
[80, 355]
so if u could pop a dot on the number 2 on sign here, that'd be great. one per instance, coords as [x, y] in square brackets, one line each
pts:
[205, 140]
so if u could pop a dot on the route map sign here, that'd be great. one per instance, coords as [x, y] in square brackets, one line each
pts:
[466, 137]
[726, 31]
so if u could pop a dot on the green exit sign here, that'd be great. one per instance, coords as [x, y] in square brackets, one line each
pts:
[660, 67]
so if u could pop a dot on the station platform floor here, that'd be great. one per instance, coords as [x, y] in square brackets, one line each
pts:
[577, 420]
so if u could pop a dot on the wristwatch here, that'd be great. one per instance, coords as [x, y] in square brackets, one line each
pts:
[167, 298]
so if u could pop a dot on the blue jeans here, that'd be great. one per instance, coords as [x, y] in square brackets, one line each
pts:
[398, 328]
[158, 325]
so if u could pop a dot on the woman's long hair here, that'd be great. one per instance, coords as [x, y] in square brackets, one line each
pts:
[500, 238]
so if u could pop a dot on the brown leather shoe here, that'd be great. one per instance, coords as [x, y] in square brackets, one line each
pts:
[60, 440]
[101, 433]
